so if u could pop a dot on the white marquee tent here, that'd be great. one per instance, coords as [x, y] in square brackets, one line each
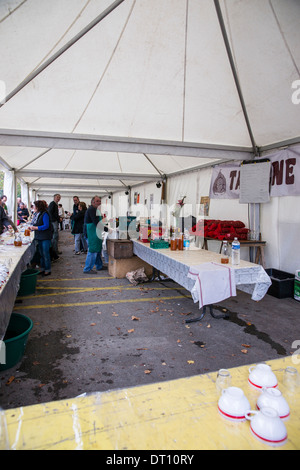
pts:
[98, 96]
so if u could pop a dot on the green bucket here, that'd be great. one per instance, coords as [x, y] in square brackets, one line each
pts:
[15, 339]
[28, 282]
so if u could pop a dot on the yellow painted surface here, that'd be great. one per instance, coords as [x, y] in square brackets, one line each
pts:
[174, 415]
[99, 302]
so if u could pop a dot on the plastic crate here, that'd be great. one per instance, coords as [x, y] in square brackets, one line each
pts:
[156, 244]
[282, 283]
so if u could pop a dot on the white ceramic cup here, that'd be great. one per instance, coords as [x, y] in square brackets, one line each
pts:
[233, 404]
[273, 398]
[267, 427]
[261, 376]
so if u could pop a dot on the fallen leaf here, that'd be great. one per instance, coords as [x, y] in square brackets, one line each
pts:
[191, 362]
[10, 380]
[135, 318]
[147, 371]
[244, 351]
[208, 326]
[36, 363]
[178, 341]
[131, 331]
[68, 336]
[93, 324]
[246, 345]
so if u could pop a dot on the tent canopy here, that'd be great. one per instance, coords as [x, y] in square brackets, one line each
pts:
[111, 94]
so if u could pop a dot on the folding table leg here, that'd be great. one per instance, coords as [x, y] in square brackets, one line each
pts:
[222, 315]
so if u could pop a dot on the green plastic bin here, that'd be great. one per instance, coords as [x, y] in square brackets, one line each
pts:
[28, 282]
[15, 339]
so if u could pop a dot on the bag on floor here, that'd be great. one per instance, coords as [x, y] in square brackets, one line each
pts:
[136, 277]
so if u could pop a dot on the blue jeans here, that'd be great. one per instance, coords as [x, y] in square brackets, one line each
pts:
[44, 249]
[55, 237]
[80, 237]
[91, 260]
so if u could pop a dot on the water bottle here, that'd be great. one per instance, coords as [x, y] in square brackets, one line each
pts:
[186, 240]
[235, 251]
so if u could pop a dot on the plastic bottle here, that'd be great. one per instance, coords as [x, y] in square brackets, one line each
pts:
[186, 240]
[297, 285]
[235, 252]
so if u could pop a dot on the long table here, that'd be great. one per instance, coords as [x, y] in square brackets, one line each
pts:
[17, 258]
[179, 266]
[175, 415]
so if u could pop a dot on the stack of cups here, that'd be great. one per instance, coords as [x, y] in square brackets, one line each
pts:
[272, 409]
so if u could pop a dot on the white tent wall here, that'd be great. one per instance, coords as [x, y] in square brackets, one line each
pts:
[148, 194]
[280, 222]
[25, 194]
[195, 185]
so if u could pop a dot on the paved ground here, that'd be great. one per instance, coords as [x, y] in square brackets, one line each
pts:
[95, 333]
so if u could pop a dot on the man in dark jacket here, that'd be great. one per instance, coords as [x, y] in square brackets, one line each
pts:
[54, 219]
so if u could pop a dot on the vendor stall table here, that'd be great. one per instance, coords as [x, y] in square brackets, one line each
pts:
[184, 267]
[174, 415]
[16, 259]
[258, 244]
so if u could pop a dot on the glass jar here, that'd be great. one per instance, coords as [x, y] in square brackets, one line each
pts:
[224, 253]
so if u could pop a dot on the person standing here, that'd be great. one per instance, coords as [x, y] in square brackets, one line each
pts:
[43, 235]
[91, 221]
[77, 230]
[61, 214]
[23, 213]
[4, 220]
[54, 219]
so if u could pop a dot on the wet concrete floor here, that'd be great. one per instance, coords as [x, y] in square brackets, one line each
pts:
[96, 333]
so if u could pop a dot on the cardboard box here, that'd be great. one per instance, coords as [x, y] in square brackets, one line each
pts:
[118, 268]
[120, 249]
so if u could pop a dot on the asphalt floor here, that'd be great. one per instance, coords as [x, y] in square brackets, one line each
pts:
[95, 333]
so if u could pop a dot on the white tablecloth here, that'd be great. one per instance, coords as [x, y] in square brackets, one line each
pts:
[184, 268]
[18, 258]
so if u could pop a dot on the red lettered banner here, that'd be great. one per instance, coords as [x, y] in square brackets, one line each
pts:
[284, 176]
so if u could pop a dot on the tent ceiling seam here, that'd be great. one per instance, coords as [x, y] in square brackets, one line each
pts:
[61, 51]
[33, 160]
[120, 166]
[12, 11]
[106, 67]
[284, 38]
[184, 69]
[70, 159]
[235, 76]
[61, 38]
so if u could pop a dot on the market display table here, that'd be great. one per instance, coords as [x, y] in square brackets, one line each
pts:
[16, 260]
[258, 244]
[177, 415]
[184, 267]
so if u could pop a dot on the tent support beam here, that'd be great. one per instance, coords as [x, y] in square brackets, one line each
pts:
[54, 187]
[63, 49]
[235, 75]
[56, 140]
[82, 175]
